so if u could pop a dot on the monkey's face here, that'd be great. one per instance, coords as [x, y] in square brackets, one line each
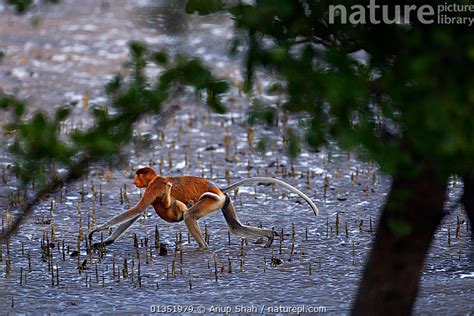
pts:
[144, 176]
[142, 180]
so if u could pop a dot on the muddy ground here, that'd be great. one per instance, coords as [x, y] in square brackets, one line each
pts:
[63, 55]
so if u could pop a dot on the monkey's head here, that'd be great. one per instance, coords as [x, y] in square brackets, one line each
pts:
[143, 177]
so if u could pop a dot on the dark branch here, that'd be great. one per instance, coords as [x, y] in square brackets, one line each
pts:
[52, 186]
[75, 173]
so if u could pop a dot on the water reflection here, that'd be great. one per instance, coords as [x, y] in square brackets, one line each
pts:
[205, 36]
[166, 16]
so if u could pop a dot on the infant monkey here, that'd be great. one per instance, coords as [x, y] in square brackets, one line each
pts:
[170, 201]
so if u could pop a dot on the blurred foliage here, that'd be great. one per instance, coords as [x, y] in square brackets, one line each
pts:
[262, 113]
[294, 147]
[204, 6]
[409, 102]
[22, 6]
[40, 147]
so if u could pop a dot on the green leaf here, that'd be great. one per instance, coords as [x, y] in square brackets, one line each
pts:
[114, 84]
[216, 105]
[261, 145]
[103, 145]
[137, 49]
[294, 143]
[166, 79]
[219, 87]
[195, 74]
[204, 7]
[10, 102]
[160, 58]
[61, 114]
[21, 6]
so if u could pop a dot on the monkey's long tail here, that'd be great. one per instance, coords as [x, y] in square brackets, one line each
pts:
[276, 181]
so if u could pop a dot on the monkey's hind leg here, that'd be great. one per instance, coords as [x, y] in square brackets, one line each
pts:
[208, 203]
[245, 231]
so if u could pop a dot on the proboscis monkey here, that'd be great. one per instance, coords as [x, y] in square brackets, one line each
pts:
[166, 195]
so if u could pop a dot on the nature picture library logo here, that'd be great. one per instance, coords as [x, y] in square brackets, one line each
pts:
[373, 13]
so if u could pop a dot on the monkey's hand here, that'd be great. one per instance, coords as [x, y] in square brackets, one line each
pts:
[169, 185]
[97, 229]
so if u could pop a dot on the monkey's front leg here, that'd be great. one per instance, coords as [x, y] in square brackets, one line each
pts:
[115, 234]
[119, 219]
[151, 194]
[96, 229]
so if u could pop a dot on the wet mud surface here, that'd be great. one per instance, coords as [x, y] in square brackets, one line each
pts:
[66, 59]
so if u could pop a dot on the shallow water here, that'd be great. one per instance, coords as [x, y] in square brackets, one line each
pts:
[67, 59]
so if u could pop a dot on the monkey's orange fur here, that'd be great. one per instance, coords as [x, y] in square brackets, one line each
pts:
[184, 188]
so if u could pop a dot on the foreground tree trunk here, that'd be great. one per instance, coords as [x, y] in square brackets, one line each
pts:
[468, 198]
[412, 213]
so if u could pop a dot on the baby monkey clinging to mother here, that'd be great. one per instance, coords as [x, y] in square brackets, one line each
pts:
[168, 196]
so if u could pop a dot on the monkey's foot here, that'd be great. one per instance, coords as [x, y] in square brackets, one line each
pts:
[163, 250]
[100, 245]
[90, 234]
[190, 249]
[269, 242]
[96, 229]
[270, 239]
